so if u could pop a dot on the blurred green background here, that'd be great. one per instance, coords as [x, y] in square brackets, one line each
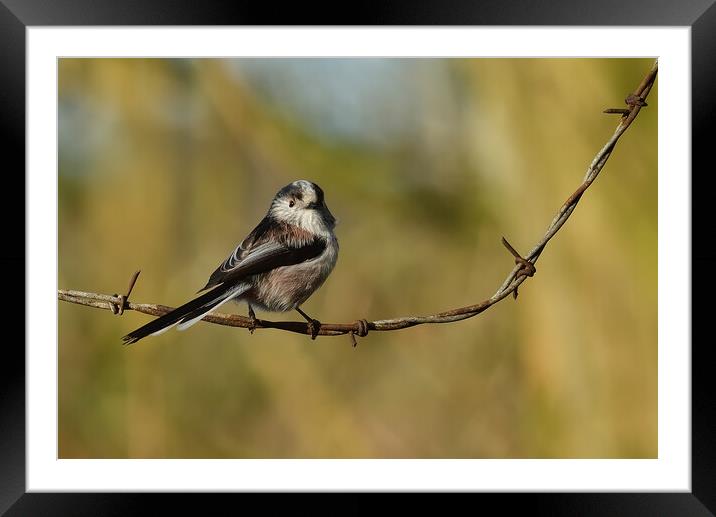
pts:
[166, 164]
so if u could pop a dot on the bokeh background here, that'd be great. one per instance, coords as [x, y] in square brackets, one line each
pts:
[166, 164]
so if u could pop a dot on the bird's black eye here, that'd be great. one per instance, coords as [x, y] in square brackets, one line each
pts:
[291, 203]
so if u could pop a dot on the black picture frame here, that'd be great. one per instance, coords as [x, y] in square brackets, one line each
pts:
[17, 15]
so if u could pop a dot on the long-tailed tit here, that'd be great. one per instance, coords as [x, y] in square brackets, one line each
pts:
[276, 268]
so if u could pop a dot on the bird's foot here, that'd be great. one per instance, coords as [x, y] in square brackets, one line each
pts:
[253, 323]
[314, 327]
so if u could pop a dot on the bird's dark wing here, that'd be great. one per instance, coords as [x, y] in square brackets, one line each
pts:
[257, 235]
[267, 247]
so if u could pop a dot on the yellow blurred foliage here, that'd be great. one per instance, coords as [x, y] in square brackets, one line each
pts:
[165, 165]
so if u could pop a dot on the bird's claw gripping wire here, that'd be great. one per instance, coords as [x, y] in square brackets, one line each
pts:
[314, 327]
[253, 323]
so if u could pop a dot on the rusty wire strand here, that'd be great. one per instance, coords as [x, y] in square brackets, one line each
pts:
[523, 269]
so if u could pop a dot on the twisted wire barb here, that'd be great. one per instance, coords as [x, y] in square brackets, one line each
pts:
[523, 269]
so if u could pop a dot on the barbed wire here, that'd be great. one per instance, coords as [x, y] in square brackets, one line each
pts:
[524, 266]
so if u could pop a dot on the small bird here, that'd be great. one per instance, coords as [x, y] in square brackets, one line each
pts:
[276, 268]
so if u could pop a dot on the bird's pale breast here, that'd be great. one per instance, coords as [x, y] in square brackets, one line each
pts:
[287, 287]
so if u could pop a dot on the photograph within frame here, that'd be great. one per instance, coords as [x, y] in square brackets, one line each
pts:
[462, 141]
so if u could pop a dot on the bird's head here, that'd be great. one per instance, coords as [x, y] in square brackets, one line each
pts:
[302, 203]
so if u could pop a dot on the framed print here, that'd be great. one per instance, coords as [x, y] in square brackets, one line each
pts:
[194, 153]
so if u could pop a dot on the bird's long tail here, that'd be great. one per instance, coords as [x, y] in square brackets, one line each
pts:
[188, 314]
